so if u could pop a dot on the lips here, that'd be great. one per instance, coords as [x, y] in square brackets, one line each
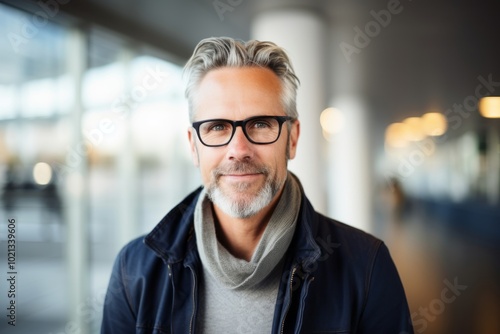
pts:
[242, 176]
[240, 171]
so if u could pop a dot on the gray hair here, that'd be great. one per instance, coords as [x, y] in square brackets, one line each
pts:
[217, 52]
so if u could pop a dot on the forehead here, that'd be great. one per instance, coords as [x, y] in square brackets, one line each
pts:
[229, 91]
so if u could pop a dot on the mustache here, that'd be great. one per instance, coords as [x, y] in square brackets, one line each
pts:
[239, 167]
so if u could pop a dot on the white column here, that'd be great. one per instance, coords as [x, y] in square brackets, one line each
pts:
[350, 161]
[76, 197]
[301, 33]
[349, 167]
[128, 165]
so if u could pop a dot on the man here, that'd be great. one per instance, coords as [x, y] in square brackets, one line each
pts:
[247, 253]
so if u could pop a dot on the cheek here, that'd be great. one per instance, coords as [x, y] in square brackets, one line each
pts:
[205, 167]
[277, 159]
[208, 161]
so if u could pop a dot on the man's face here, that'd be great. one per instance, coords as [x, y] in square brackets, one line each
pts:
[242, 178]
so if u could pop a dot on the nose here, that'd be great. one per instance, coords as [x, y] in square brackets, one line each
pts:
[239, 148]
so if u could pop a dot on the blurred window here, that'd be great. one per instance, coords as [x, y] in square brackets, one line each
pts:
[134, 131]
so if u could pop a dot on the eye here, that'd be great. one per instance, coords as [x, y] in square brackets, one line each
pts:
[260, 124]
[217, 126]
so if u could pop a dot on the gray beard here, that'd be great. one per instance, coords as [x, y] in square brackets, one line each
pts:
[248, 205]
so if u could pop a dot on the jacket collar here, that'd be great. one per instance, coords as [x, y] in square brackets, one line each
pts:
[304, 248]
[173, 237]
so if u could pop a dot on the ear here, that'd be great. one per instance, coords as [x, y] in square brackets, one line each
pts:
[294, 138]
[192, 144]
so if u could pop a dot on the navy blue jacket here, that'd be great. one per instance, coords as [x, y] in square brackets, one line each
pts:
[337, 279]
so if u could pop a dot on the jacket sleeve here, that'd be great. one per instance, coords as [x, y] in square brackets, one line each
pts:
[386, 308]
[118, 315]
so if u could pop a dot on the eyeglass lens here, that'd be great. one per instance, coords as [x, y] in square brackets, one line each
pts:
[260, 130]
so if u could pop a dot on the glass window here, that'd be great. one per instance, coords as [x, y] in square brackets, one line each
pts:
[134, 136]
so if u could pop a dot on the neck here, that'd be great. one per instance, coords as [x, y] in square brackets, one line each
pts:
[240, 236]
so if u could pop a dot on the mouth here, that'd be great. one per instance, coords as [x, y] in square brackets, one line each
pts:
[240, 173]
[241, 177]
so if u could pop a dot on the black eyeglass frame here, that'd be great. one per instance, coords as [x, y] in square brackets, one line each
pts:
[242, 123]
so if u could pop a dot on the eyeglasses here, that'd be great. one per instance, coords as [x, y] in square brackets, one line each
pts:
[258, 130]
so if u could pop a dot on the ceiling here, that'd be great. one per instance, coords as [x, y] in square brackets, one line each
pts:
[429, 56]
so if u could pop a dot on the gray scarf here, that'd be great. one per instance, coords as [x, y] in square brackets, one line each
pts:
[235, 273]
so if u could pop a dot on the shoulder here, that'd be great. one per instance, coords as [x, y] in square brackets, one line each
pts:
[347, 239]
[134, 247]
[347, 236]
[167, 242]
[135, 255]
[138, 269]
[350, 250]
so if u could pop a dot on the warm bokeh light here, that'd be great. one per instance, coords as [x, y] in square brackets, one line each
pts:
[434, 124]
[332, 121]
[415, 128]
[396, 135]
[42, 173]
[489, 106]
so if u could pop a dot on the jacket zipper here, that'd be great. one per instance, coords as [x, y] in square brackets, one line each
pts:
[289, 303]
[194, 306]
[173, 301]
[303, 295]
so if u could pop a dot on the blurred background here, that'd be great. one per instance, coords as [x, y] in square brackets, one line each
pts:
[399, 107]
